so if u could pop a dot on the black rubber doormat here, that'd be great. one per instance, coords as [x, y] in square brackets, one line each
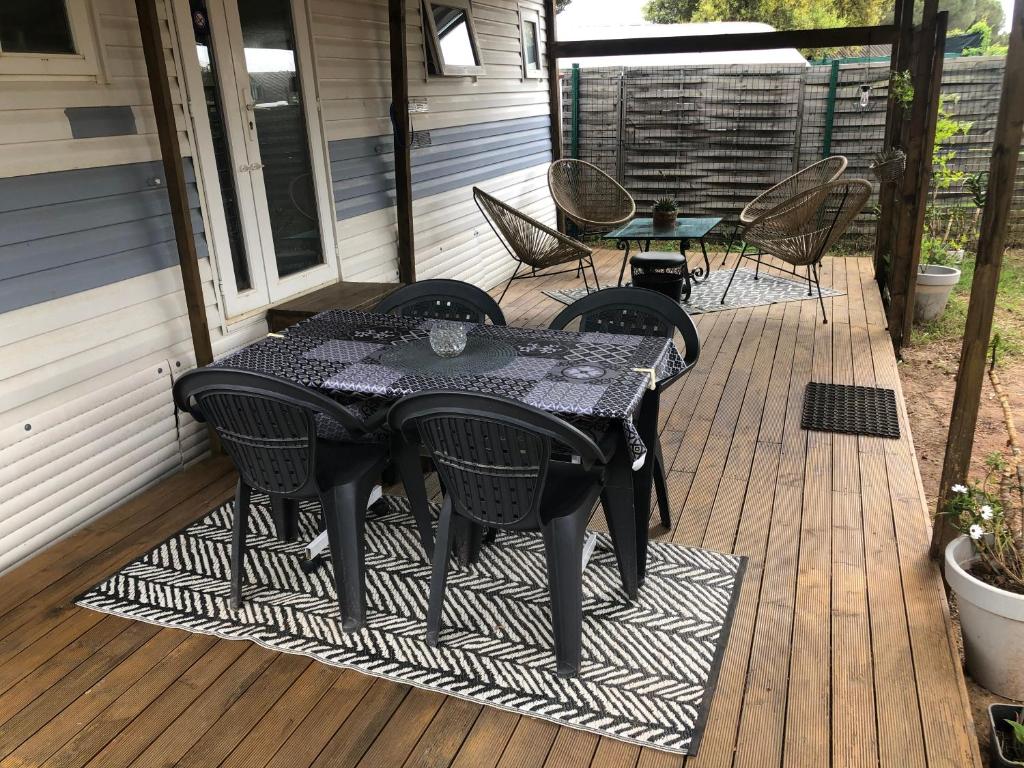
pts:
[852, 410]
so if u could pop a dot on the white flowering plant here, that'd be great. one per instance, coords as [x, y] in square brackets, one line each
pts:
[996, 533]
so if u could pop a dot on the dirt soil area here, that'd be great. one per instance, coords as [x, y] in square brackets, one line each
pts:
[928, 373]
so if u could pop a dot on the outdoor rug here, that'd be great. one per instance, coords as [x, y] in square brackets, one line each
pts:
[649, 669]
[745, 292]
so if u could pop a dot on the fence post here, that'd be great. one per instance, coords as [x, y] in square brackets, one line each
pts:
[576, 111]
[830, 109]
[620, 132]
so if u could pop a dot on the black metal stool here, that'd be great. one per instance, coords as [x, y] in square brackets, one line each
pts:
[659, 271]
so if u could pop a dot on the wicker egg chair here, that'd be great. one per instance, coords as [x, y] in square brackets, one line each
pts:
[800, 230]
[814, 175]
[533, 244]
[589, 197]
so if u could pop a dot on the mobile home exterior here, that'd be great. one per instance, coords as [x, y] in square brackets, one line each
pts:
[283, 115]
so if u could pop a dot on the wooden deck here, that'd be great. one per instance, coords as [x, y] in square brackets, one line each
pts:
[840, 653]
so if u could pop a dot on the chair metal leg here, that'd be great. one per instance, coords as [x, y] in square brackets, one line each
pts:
[345, 518]
[509, 283]
[563, 548]
[821, 300]
[757, 269]
[732, 239]
[239, 529]
[439, 574]
[661, 487]
[734, 271]
[810, 285]
[581, 270]
[597, 283]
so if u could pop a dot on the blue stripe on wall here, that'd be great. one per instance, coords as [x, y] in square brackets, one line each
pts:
[362, 170]
[69, 231]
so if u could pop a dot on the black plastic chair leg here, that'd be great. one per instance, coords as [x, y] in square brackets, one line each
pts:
[345, 518]
[407, 460]
[661, 487]
[239, 529]
[563, 548]
[439, 575]
[617, 502]
[286, 517]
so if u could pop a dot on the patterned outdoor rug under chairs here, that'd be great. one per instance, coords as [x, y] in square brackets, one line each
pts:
[649, 669]
[745, 292]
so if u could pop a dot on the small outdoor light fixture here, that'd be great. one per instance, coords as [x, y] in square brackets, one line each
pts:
[865, 96]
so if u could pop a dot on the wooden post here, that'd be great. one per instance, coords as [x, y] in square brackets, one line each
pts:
[174, 171]
[402, 137]
[554, 89]
[913, 190]
[554, 84]
[904, 17]
[1002, 172]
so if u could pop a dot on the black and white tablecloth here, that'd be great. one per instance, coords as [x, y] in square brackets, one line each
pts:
[589, 378]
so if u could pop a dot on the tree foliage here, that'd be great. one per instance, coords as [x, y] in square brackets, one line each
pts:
[813, 14]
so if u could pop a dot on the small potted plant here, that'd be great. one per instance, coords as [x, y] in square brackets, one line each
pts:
[984, 567]
[665, 212]
[936, 277]
[1007, 746]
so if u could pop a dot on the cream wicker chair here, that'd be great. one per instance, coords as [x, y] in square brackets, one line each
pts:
[533, 244]
[814, 175]
[800, 230]
[589, 197]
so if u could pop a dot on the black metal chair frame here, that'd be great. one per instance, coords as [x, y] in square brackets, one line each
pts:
[267, 426]
[493, 456]
[443, 299]
[641, 312]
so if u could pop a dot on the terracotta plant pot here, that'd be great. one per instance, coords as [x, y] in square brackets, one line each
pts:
[992, 623]
[664, 218]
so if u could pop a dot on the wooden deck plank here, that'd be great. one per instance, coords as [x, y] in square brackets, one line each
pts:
[840, 612]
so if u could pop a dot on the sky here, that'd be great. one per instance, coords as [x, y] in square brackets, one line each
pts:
[1007, 11]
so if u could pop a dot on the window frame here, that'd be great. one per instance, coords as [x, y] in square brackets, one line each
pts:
[84, 64]
[433, 42]
[530, 16]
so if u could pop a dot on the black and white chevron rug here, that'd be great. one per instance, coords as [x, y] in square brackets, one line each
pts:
[649, 669]
[745, 292]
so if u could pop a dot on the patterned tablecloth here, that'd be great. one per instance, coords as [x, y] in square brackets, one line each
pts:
[589, 378]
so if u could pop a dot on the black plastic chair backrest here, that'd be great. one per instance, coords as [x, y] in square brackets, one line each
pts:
[492, 453]
[442, 299]
[637, 312]
[266, 424]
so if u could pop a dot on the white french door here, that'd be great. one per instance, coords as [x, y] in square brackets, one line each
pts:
[260, 148]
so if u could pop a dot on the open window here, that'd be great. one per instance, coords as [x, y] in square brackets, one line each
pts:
[47, 39]
[529, 32]
[450, 37]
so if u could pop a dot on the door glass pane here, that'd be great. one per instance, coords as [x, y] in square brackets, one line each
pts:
[270, 59]
[35, 26]
[453, 34]
[221, 150]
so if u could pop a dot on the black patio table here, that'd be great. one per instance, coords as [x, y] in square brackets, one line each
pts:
[594, 380]
[644, 232]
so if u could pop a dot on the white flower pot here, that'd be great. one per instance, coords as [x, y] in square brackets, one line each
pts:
[992, 623]
[934, 284]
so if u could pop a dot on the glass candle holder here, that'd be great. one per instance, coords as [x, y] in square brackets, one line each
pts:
[447, 338]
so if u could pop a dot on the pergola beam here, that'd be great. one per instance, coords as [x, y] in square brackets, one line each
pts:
[995, 218]
[747, 41]
[402, 140]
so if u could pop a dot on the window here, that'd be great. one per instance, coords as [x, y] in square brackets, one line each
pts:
[450, 38]
[48, 38]
[529, 28]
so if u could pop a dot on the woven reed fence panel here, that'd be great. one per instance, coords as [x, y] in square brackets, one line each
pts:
[713, 137]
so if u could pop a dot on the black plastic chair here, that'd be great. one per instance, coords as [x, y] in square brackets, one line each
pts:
[639, 312]
[443, 299]
[494, 458]
[267, 426]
